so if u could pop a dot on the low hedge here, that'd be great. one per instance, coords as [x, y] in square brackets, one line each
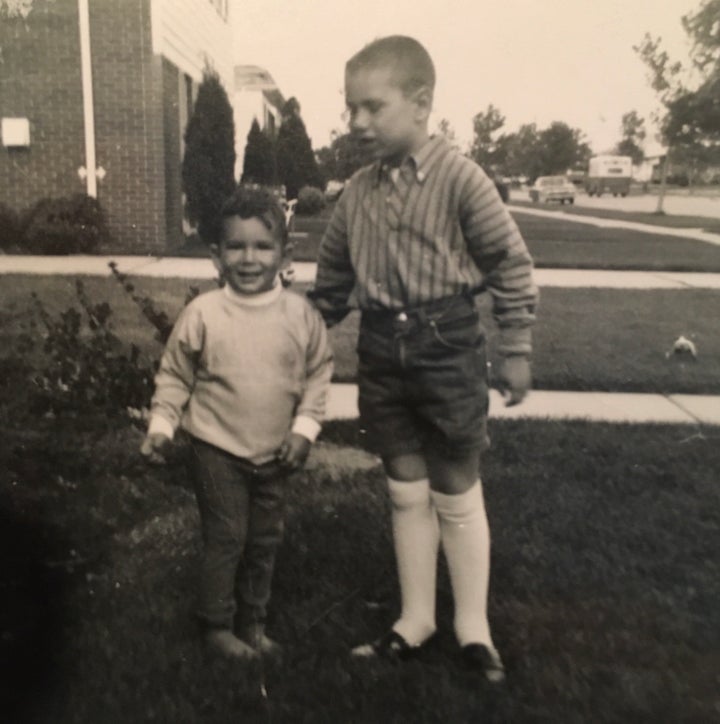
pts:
[73, 224]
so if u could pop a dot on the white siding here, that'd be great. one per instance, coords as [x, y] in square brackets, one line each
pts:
[192, 34]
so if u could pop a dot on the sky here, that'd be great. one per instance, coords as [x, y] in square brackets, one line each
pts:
[537, 61]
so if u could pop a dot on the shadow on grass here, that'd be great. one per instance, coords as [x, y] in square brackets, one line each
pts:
[603, 594]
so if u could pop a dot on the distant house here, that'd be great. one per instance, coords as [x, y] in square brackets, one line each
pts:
[125, 102]
[255, 95]
[679, 172]
[649, 167]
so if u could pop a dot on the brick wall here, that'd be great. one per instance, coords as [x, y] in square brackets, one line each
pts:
[127, 81]
[173, 160]
[40, 78]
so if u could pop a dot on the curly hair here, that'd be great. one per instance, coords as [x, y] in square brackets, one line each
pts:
[254, 203]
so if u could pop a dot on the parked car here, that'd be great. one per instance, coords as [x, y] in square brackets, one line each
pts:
[552, 188]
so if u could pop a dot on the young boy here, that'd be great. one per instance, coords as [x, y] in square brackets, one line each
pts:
[413, 237]
[246, 372]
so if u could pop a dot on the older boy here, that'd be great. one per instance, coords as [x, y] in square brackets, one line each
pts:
[414, 236]
[246, 370]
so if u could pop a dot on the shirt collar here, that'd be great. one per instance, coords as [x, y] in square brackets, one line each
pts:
[422, 161]
[254, 300]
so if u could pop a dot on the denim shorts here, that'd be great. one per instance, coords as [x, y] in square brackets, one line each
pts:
[423, 380]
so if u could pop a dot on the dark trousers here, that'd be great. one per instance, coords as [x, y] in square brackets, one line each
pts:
[242, 511]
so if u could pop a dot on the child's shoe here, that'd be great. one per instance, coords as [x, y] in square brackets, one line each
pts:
[254, 635]
[390, 646]
[224, 642]
[485, 659]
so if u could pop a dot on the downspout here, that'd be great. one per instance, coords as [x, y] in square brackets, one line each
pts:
[88, 102]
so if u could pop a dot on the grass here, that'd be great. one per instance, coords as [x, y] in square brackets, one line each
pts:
[603, 595]
[585, 339]
[559, 243]
[674, 221]
[603, 340]
[605, 578]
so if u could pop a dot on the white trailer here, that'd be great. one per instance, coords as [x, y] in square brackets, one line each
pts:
[609, 173]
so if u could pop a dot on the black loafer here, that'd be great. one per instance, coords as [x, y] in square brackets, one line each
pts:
[482, 658]
[391, 646]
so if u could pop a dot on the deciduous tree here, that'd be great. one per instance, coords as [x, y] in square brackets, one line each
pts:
[486, 124]
[519, 152]
[632, 128]
[689, 95]
[532, 153]
[562, 148]
[446, 130]
[341, 158]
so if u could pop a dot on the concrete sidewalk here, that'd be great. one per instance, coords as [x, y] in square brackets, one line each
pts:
[594, 406]
[192, 268]
[695, 234]
[591, 406]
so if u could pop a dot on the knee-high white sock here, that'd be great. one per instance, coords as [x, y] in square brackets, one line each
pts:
[466, 542]
[416, 536]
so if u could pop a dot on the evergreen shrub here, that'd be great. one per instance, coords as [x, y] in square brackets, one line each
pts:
[10, 232]
[67, 225]
[310, 201]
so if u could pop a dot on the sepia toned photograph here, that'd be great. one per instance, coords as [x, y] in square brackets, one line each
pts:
[359, 361]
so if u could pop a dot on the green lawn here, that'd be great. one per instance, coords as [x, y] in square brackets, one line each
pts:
[605, 574]
[558, 242]
[674, 221]
[603, 594]
[604, 340]
[585, 339]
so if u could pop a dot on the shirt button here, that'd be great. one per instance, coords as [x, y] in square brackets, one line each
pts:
[402, 317]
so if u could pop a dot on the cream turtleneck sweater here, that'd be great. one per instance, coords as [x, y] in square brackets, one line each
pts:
[240, 371]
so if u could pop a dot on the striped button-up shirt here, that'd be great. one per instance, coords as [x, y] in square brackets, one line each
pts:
[432, 228]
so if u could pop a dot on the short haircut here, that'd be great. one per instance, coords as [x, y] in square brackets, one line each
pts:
[410, 63]
[251, 202]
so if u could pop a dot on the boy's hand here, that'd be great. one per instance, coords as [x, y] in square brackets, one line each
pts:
[153, 447]
[294, 451]
[514, 378]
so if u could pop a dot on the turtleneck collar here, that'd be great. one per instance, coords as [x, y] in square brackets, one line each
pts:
[254, 300]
